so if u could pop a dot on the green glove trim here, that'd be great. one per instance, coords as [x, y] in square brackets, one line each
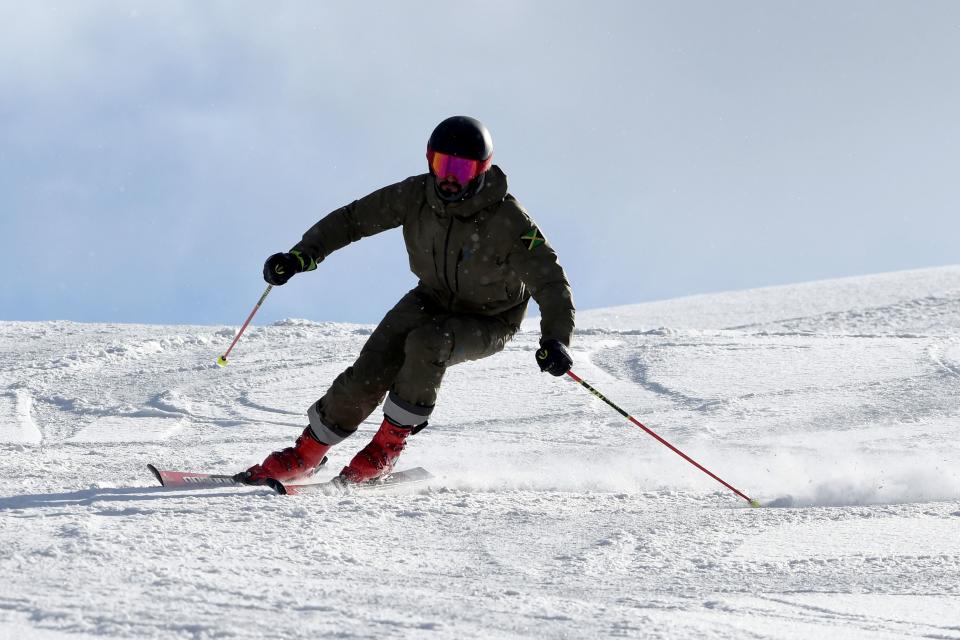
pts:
[304, 265]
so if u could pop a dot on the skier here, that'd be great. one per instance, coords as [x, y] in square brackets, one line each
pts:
[479, 258]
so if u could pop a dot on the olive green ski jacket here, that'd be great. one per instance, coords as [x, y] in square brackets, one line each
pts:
[483, 255]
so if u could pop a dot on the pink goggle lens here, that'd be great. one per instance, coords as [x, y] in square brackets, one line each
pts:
[445, 166]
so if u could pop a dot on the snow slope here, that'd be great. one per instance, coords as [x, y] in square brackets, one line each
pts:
[550, 517]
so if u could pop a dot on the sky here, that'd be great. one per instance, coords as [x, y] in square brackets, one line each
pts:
[153, 154]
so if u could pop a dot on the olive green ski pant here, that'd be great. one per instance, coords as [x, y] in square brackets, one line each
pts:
[407, 355]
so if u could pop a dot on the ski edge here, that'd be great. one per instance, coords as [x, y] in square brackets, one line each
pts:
[407, 476]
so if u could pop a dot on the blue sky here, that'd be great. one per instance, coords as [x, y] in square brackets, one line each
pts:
[153, 154]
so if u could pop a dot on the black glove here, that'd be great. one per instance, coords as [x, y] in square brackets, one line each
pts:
[554, 358]
[280, 267]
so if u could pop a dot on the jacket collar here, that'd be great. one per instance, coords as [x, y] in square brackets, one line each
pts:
[494, 190]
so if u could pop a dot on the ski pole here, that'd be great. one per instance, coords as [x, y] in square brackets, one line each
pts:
[753, 503]
[222, 360]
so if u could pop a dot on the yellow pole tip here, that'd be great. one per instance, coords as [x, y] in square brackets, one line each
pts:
[221, 361]
[755, 504]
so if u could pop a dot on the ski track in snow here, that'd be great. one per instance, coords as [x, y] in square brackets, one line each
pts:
[550, 517]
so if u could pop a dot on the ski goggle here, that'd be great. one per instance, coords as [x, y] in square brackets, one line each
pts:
[443, 166]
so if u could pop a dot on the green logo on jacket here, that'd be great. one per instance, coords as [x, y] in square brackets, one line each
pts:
[533, 239]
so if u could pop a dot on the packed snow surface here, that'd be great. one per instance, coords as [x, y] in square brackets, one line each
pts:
[834, 403]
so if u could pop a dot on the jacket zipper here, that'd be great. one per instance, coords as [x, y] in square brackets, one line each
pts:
[456, 271]
[446, 251]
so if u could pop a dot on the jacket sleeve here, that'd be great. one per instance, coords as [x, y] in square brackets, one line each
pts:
[537, 265]
[381, 210]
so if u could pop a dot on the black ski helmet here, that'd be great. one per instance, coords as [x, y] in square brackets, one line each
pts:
[460, 139]
[462, 136]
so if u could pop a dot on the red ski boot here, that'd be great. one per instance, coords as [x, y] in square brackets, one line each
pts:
[300, 460]
[378, 457]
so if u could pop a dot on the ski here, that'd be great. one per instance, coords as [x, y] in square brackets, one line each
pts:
[189, 480]
[172, 479]
[337, 487]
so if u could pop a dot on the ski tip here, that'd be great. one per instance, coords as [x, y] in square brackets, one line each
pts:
[156, 473]
[277, 486]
